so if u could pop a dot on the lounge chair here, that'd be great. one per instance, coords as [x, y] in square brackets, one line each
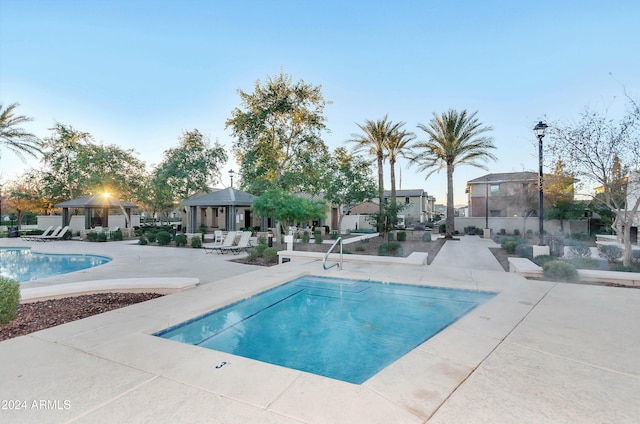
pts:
[243, 244]
[58, 236]
[228, 241]
[34, 237]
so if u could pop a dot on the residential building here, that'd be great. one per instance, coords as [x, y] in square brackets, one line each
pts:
[508, 194]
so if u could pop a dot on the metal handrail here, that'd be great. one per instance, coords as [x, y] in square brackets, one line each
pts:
[338, 264]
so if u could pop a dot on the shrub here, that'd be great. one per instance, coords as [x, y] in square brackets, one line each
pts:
[402, 236]
[152, 236]
[516, 232]
[262, 240]
[525, 251]
[92, 236]
[305, 236]
[260, 249]
[390, 237]
[609, 252]
[390, 248]
[334, 235]
[181, 240]
[9, 299]
[622, 268]
[584, 263]
[317, 237]
[510, 246]
[102, 236]
[143, 240]
[560, 271]
[252, 254]
[116, 235]
[541, 260]
[270, 255]
[502, 232]
[580, 250]
[164, 238]
[529, 232]
[442, 228]
[359, 248]
[196, 242]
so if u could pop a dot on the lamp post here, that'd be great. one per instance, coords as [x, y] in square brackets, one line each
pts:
[231, 172]
[539, 130]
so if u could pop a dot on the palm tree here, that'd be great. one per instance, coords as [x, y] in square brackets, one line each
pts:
[16, 139]
[375, 138]
[455, 138]
[397, 145]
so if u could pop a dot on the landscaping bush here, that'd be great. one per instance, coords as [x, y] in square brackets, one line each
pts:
[390, 248]
[525, 251]
[92, 236]
[402, 236]
[196, 242]
[560, 271]
[584, 263]
[540, 260]
[580, 250]
[143, 240]
[359, 248]
[152, 236]
[262, 240]
[609, 252]
[510, 246]
[334, 235]
[305, 236]
[442, 228]
[102, 236]
[181, 240]
[164, 238]
[252, 254]
[516, 232]
[9, 299]
[260, 249]
[622, 268]
[317, 237]
[116, 235]
[502, 232]
[270, 255]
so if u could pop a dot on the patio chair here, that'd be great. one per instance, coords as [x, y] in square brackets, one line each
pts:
[33, 237]
[243, 244]
[228, 241]
[58, 236]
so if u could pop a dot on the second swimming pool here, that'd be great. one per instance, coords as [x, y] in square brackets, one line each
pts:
[343, 329]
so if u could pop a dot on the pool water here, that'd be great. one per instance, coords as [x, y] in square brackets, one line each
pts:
[343, 329]
[23, 265]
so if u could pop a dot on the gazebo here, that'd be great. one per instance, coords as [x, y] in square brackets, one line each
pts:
[228, 206]
[94, 203]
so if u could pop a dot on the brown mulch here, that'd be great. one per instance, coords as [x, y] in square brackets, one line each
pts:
[38, 316]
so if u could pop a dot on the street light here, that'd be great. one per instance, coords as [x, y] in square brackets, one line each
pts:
[539, 130]
[231, 172]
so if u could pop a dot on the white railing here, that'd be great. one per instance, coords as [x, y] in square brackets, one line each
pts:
[338, 264]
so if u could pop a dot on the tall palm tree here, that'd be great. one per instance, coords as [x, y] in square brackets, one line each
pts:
[455, 138]
[397, 145]
[16, 139]
[374, 140]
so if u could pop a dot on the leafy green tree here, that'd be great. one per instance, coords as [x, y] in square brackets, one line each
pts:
[22, 197]
[158, 197]
[277, 135]
[374, 140]
[287, 209]
[604, 151]
[454, 138]
[192, 167]
[351, 182]
[14, 138]
[564, 209]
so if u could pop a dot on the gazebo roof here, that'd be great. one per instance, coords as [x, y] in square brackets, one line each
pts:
[95, 201]
[224, 197]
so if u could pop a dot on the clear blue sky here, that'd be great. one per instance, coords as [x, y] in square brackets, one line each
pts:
[139, 73]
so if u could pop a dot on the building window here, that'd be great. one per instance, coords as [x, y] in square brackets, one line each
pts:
[406, 200]
[494, 189]
[494, 213]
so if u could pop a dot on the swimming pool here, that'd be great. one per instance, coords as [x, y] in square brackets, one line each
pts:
[343, 329]
[23, 265]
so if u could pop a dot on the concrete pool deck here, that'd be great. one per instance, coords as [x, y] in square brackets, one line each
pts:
[539, 352]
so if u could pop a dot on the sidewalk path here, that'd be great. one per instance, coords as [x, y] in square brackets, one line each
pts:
[469, 252]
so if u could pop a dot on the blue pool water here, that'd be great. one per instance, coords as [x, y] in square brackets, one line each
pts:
[338, 328]
[24, 265]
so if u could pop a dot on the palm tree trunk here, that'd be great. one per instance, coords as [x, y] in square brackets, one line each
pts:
[392, 164]
[450, 223]
[380, 182]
